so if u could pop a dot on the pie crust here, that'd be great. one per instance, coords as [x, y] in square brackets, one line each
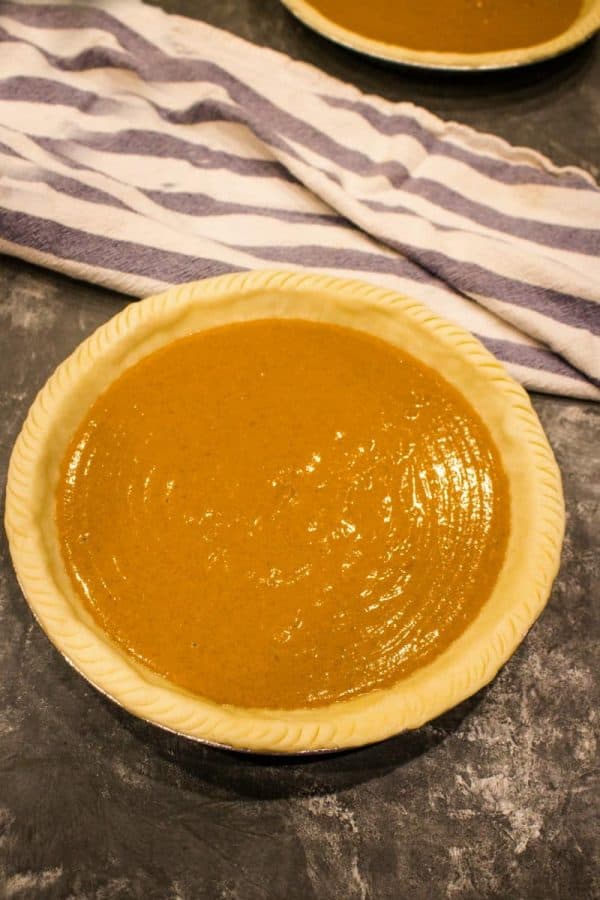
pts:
[583, 27]
[470, 662]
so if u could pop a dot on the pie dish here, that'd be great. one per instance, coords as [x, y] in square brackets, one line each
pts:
[496, 555]
[586, 23]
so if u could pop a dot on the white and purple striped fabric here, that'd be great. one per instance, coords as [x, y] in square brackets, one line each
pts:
[139, 150]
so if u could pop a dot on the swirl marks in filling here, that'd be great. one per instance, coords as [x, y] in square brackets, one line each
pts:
[282, 513]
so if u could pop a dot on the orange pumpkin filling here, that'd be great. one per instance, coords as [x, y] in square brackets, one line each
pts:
[282, 513]
[454, 26]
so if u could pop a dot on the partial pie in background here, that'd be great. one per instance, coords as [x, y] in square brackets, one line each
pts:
[453, 34]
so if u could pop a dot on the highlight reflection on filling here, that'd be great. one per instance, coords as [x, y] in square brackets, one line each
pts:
[282, 513]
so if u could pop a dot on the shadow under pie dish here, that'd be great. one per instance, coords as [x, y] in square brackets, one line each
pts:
[284, 512]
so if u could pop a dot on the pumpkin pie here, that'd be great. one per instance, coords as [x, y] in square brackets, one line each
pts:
[436, 34]
[284, 512]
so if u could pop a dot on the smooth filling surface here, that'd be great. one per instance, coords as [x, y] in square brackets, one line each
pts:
[282, 513]
[454, 26]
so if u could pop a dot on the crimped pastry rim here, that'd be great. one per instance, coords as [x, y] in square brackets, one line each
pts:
[523, 587]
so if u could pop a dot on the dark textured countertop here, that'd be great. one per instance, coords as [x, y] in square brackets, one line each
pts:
[497, 798]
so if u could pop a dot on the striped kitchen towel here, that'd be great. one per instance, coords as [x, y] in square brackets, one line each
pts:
[139, 150]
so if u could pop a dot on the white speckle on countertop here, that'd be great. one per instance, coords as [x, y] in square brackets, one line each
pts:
[6, 820]
[460, 881]
[330, 806]
[31, 881]
[331, 837]
[129, 776]
[358, 879]
[27, 307]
